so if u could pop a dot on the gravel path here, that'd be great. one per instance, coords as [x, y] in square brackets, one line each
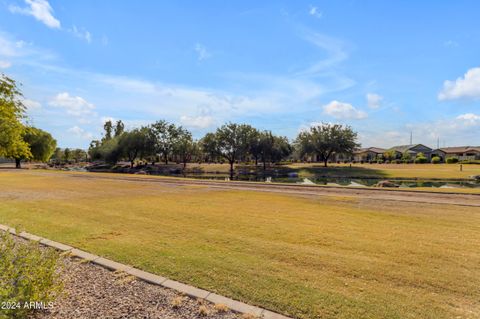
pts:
[91, 291]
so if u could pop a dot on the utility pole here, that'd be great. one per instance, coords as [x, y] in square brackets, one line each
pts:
[438, 142]
[411, 137]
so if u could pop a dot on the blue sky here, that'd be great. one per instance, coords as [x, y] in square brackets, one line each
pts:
[384, 67]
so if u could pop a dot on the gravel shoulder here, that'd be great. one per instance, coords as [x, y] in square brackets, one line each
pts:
[90, 291]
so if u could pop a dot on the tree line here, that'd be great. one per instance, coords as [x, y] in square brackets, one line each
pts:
[231, 143]
[164, 141]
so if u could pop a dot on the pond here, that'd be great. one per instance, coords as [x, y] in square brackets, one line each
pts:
[357, 182]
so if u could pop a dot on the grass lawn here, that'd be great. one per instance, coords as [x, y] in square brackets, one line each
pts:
[309, 257]
[440, 171]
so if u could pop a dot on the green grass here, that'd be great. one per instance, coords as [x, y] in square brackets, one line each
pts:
[309, 257]
[418, 171]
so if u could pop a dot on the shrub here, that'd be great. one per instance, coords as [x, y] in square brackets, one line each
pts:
[27, 274]
[436, 160]
[380, 162]
[452, 160]
[397, 161]
[421, 160]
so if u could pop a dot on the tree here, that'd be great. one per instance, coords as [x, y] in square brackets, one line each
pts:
[326, 139]
[108, 127]
[273, 148]
[231, 142]
[390, 155]
[185, 147]
[79, 155]
[94, 150]
[119, 128]
[12, 111]
[255, 144]
[208, 145]
[57, 156]
[41, 145]
[163, 136]
[110, 150]
[133, 144]
[281, 149]
[67, 155]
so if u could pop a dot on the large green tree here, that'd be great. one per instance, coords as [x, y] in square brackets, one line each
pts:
[231, 141]
[163, 136]
[119, 128]
[12, 111]
[41, 145]
[108, 127]
[273, 148]
[208, 146]
[133, 144]
[326, 139]
[185, 147]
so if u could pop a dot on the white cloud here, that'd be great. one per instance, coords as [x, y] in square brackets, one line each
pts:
[9, 48]
[40, 10]
[74, 105]
[387, 139]
[315, 12]
[5, 64]
[197, 121]
[341, 110]
[80, 132]
[374, 101]
[202, 52]
[466, 87]
[31, 104]
[334, 48]
[12, 51]
[81, 34]
[469, 119]
[460, 130]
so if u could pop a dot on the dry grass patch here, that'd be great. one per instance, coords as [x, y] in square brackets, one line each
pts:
[220, 307]
[177, 301]
[307, 257]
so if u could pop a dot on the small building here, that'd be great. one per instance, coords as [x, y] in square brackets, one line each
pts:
[368, 154]
[463, 153]
[412, 150]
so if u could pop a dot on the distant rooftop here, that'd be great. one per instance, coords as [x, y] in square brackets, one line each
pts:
[405, 148]
[459, 149]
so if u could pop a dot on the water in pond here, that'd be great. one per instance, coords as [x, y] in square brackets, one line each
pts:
[357, 182]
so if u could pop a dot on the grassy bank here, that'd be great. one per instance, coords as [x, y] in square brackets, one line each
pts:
[310, 257]
[415, 171]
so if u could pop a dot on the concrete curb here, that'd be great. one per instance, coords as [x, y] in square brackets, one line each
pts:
[191, 291]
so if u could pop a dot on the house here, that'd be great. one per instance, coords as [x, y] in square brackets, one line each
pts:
[463, 153]
[368, 154]
[412, 150]
[6, 160]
